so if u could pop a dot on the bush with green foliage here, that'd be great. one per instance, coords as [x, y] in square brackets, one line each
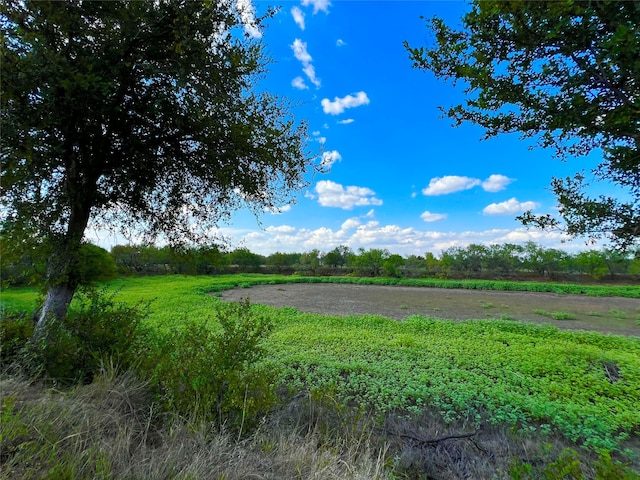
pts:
[25, 264]
[96, 264]
[15, 332]
[95, 330]
[213, 371]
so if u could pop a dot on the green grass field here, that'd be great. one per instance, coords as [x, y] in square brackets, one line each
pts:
[583, 385]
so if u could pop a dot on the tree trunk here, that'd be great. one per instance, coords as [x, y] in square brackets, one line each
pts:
[55, 305]
[63, 277]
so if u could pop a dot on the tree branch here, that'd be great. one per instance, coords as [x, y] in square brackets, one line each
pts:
[431, 441]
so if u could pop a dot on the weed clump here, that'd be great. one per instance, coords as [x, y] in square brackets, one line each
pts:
[555, 315]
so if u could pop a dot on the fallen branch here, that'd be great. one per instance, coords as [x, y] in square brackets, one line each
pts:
[432, 441]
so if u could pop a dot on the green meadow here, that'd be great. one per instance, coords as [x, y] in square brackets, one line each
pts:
[583, 385]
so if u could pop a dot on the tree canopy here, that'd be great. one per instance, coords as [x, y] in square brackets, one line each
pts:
[136, 115]
[566, 73]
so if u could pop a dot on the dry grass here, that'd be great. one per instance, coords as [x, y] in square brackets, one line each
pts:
[111, 429]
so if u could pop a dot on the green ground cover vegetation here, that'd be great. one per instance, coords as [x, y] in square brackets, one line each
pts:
[583, 387]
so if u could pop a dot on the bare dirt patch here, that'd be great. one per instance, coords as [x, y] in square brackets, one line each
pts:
[616, 315]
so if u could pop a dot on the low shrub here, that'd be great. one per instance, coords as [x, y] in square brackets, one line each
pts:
[15, 332]
[212, 370]
[97, 329]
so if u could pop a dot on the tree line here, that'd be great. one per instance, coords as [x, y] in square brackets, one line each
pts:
[528, 261]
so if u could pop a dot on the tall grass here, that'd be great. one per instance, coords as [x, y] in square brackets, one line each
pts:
[109, 429]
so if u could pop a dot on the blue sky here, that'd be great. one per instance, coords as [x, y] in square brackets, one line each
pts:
[399, 176]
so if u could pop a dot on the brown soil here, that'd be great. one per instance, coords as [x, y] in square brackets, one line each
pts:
[616, 315]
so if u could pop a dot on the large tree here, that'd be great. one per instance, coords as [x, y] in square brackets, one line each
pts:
[566, 73]
[140, 115]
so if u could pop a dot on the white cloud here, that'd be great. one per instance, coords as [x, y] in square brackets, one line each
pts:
[340, 43]
[346, 121]
[318, 5]
[298, 83]
[432, 217]
[331, 194]
[316, 133]
[449, 184]
[340, 104]
[310, 72]
[329, 158]
[509, 207]
[523, 235]
[350, 224]
[298, 17]
[278, 210]
[321, 140]
[496, 183]
[300, 51]
[248, 18]
[280, 229]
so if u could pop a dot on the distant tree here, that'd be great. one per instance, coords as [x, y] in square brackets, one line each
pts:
[448, 261]
[142, 115]
[183, 260]
[276, 259]
[310, 260]
[338, 257]
[141, 259]
[210, 259]
[415, 266]
[370, 262]
[432, 264]
[634, 265]
[476, 258]
[333, 259]
[543, 261]
[283, 260]
[591, 262]
[244, 258]
[392, 265]
[127, 258]
[470, 259]
[566, 73]
[157, 259]
[504, 258]
[617, 262]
